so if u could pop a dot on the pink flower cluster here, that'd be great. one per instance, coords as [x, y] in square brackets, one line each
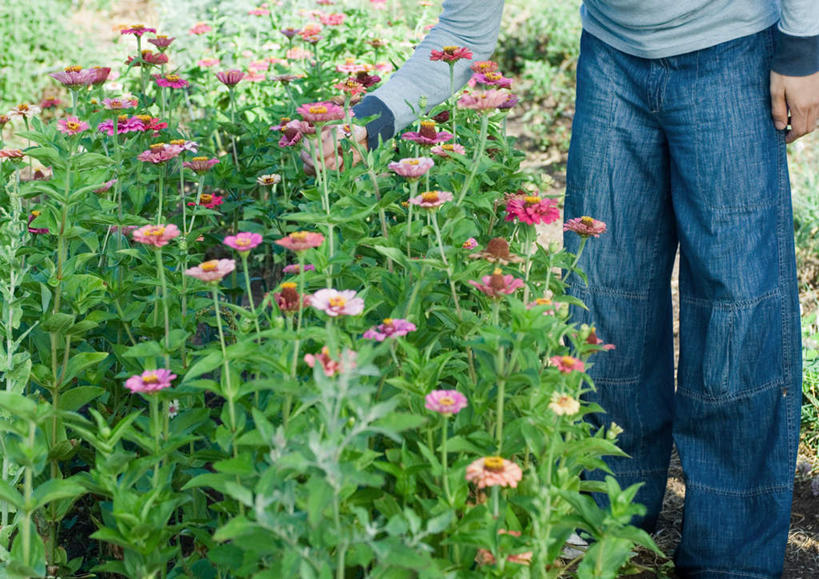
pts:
[336, 303]
[532, 209]
[330, 366]
[390, 328]
[150, 381]
[445, 401]
[156, 235]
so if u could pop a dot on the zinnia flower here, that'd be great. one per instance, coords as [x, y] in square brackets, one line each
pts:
[200, 164]
[289, 32]
[542, 302]
[269, 180]
[431, 199]
[484, 66]
[208, 201]
[335, 19]
[173, 408]
[288, 300]
[160, 153]
[331, 367]
[71, 126]
[293, 131]
[470, 243]
[137, 30]
[101, 74]
[567, 364]
[170, 81]
[497, 285]
[28, 174]
[564, 405]
[451, 54]
[230, 78]
[585, 226]
[390, 328]
[337, 303]
[490, 79]
[483, 100]
[532, 209]
[296, 268]
[497, 251]
[428, 135]
[207, 62]
[243, 241]
[448, 149]
[124, 125]
[213, 270]
[105, 186]
[200, 28]
[74, 76]
[148, 58]
[445, 401]
[413, 167]
[119, 103]
[35, 230]
[24, 111]
[11, 154]
[301, 240]
[161, 41]
[350, 86]
[321, 112]
[150, 381]
[485, 557]
[493, 471]
[156, 235]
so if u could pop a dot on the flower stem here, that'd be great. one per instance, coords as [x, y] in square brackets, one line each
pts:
[446, 263]
[447, 493]
[196, 203]
[583, 241]
[243, 255]
[160, 270]
[500, 360]
[454, 101]
[527, 245]
[152, 399]
[161, 195]
[229, 394]
[288, 400]
[476, 159]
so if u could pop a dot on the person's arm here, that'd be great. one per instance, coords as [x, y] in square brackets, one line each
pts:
[795, 68]
[474, 24]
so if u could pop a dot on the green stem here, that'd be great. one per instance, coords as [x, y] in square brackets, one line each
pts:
[160, 270]
[161, 195]
[500, 361]
[195, 204]
[446, 263]
[28, 492]
[583, 241]
[527, 245]
[476, 159]
[243, 255]
[230, 395]
[454, 101]
[444, 459]
[154, 403]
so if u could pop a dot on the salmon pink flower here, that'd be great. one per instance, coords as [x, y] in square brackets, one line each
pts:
[296, 268]
[321, 112]
[11, 154]
[448, 149]
[567, 364]
[208, 201]
[137, 30]
[200, 165]
[170, 81]
[230, 78]
[550, 311]
[484, 66]
[150, 381]
[445, 401]
[74, 76]
[497, 251]
[431, 199]
[585, 226]
[390, 328]
[71, 126]
[328, 365]
[212, 271]
[207, 62]
[532, 209]
[336, 303]
[244, 241]
[160, 153]
[119, 103]
[491, 471]
[350, 86]
[253, 76]
[564, 405]
[413, 167]
[24, 111]
[156, 235]
[200, 28]
[451, 54]
[301, 240]
[483, 100]
[334, 19]
[497, 285]
[428, 135]
[298, 54]
[161, 41]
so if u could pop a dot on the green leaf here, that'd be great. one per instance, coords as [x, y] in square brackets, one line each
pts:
[80, 362]
[55, 489]
[18, 405]
[76, 398]
[604, 558]
[11, 495]
[203, 366]
[57, 323]
[143, 350]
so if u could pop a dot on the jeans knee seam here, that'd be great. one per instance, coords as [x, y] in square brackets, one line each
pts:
[606, 290]
[732, 397]
[755, 492]
[729, 305]
[728, 572]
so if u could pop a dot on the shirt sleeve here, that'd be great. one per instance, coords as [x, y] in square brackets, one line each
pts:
[797, 38]
[474, 24]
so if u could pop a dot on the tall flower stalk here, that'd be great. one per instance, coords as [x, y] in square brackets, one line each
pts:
[477, 158]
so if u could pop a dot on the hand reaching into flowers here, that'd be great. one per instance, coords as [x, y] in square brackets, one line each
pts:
[307, 155]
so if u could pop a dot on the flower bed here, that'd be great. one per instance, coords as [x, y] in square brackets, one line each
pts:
[214, 364]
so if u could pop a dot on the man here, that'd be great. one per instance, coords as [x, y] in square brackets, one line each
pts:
[678, 141]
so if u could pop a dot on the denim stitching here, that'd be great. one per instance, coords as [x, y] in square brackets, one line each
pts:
[730, 305]
[605, 290]
[731, 397]
[724, 572]
[754, 492]
[618, 381]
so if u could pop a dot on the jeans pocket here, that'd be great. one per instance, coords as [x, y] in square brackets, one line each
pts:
[730, 349]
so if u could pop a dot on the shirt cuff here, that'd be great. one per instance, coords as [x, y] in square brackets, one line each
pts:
[796, 55]
[382, 126]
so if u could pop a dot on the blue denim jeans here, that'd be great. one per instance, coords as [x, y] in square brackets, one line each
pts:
[682, 152]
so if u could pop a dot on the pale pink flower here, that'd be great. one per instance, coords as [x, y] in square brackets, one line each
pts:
[173, 408]
[321, 112]
[269, 180]
[484, 66]
[120, 103]
[258, 66]
[170, 81]
[445, 401]
[350, 66]
[253, 76]
[230, 78]
[207, 62]
[213, 270]
[161, 41]
[567, 364]
[491, 471]
[160, 153]
[497, 285]
[431, 199]
[200, 164]
[298, 53]
[71, 126]
[337, 303]
[334, 19]
[550, 311]
[451, 54]
[483, 100]
[448, 149]
[532, 209]
[390, 328]
[296, 268]
[150, 381]
[564, 405]
[585, 226]
[156, 235]
[137, 30]
[428, 135]
[413, 167]
[243, 241]
[24, 111]
[200, 28]
[328, 365]
[74, 76]
[470, 243]
[301, 240]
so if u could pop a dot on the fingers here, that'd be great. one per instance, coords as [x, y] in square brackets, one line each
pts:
[330, 150]
[801, 96]
[779, 106]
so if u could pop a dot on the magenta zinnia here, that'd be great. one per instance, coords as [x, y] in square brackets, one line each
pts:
[337, 303]
[160, 153]
[213, 270]
[71, 126]
[445, 401]
[137, 30]
[243, 241]
[497, 285]
[230, 78]
[585, 226]
[532, 209]
[208, 201]
[150, 381]
[74, 76]
[156, 235]
[451, 54]
[390, 328]
[170, 81]
[428, 135]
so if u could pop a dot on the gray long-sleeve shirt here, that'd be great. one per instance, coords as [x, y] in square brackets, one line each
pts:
[644, 28]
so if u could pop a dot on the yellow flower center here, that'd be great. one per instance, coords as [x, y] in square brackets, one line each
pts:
[448, 147]
[450, 49]
[242, 241]
[412, 162]
[211, 265]
[288, 285]
[198, 159]
[156, 231]
[144, 118]
[35, 213]
[157, 147]
[567, 360]
[446, 401]
[337, 302]
[122, 118]
[388, 321]
[531, 200]
[172, 77]
[299, 236]
[73, 68]
[178, 142]
[430, 197]
[493, 76]
[22, 108]
[206, 198]
[586, 220]
[430, 124]
[498, 271]
[162, 36]
[72, 125]
[543, 301]
[318, 110]
[349, 61]
[493, 463]
[150, 379]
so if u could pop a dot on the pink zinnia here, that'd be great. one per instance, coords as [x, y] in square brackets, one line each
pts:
[532, 209]
[321, 112]
[124, 125]
[296, 268]
[160, 153]
[35, 230]
[150, 381]
[294, 131]
[71, 126]
[567, 364]
[156, 235]
[244, 241]
[213, 270]
[337, 303]
[428, 135]
[451, 54]
[170, 81]
[595, 341]
[200, 28]
[334, 19]
[208, 201]
[105, 186]
[483, 100]
[585, 226]
[497, 285]
[511, 100]
[74, 76]
[351, 86]
[101, 74]
[207, 62]
[230, 78]
[289, 32]
[161, 41]
[445, 401]
[542, 302]
[350, 66]
[390, 328]
[490, 79]
[448, 149]
[301, 240]
[484, 66]
[431, 199]
[470, 243]
[491, 471]
[258, 12]
[137, 30]
[120, 103]
[200, 164]
[328, 365]
[11, 154]
[412, 168]
[288, 300]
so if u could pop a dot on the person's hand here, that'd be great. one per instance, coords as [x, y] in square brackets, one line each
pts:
[332, 161]
[800, 95]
